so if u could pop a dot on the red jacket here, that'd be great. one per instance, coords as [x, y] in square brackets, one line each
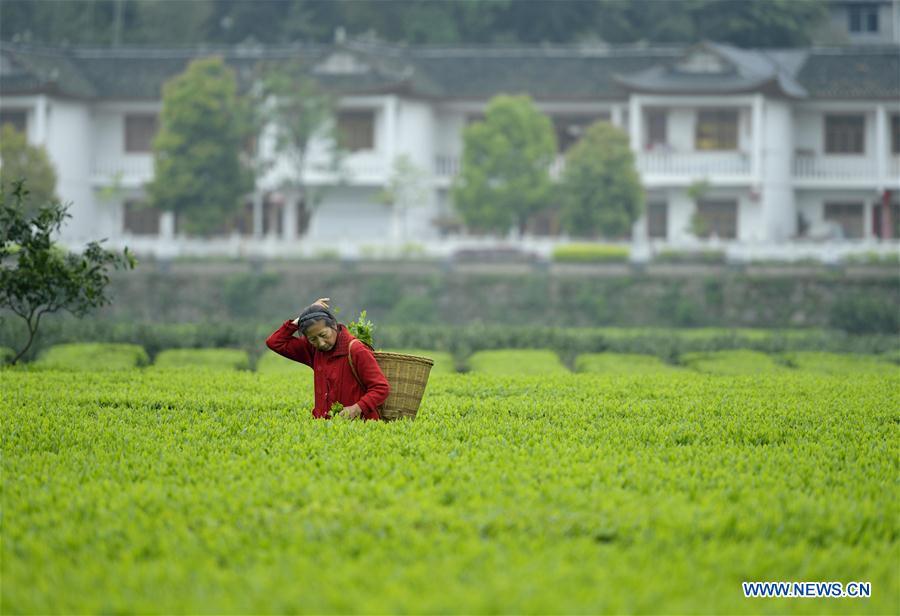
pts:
[332, 377]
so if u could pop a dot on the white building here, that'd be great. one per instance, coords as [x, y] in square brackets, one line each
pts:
[863, 22]
[790, 143]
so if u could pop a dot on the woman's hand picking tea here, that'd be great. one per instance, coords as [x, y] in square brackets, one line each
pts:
[351, 412]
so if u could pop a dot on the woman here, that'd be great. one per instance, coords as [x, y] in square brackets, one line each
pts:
[324, 346]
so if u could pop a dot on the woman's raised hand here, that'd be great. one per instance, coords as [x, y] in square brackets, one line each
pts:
[322, 301]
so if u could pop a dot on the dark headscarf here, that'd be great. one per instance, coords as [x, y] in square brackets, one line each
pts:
[314, 313]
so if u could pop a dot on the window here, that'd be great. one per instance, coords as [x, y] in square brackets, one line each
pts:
[569, 129]
[656, 128]
[139, 132]
[657, 224]
[717, 218]
[716, 130]
[849, 216]
[863, 18]
[356, 130]
[273, 204]
[702, 62]
[844, 134]
[140, 219]
[895, 134]
[16, 118]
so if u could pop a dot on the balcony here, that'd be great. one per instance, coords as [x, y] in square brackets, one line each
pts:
[845, 171]
[657, 168]
[128, 171]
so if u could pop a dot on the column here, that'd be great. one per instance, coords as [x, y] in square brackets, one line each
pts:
[757, 136]
[779, 210]
[40, 121]
[257, 214]
[634, 122]
[390, 130]
[167, 225]
[881, 146]
[289, 220]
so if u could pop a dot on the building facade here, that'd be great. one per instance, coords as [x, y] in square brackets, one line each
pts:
[741, 145]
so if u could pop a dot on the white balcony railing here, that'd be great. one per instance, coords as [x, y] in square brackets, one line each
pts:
[688, 164]
[693, 163]
[815, 167]
[124, 169]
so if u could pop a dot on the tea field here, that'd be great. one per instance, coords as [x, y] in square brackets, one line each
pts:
[164, 490]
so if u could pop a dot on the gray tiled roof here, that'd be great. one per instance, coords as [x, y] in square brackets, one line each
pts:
[469, 73]
[853, 74]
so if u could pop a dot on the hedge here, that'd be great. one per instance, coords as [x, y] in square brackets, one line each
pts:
[622, 363]
[219, 359]
[93, 356]
[590, 253]
[733, 363]
[839, 364]
[522, 362]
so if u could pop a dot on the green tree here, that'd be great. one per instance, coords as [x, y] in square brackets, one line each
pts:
[199, 172]
[21, 161]
[752, 23]
[601, 189]
[756, 23]
[505, 165]
[299, 111]
[38, 277]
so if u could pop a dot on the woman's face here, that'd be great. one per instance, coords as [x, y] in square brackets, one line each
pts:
[321, 336]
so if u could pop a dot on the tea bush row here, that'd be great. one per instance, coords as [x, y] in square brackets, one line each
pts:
[459, 341]
[503, 362]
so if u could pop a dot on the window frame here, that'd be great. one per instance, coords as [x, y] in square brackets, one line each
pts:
[354, 143]
[139, 143]
[863, 19]
[840, 218]
[711, 204]
[836, 136]
[662, 123]
[720, 131]
[661, 217]
[140, 215]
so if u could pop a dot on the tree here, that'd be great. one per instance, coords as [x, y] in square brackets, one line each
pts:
[38, 277]
[199, 172]
[601, 189]
[299, 112]
[505, 165]
[20, 161]
[755, 23]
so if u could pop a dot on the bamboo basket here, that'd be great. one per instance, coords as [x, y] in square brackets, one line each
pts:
[407, 376]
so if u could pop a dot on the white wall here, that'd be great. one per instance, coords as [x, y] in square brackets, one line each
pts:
[350, 213]
[449, 125]
[68, 144]
[416, 133]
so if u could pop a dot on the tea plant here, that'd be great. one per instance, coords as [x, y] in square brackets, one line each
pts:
[570, 493]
